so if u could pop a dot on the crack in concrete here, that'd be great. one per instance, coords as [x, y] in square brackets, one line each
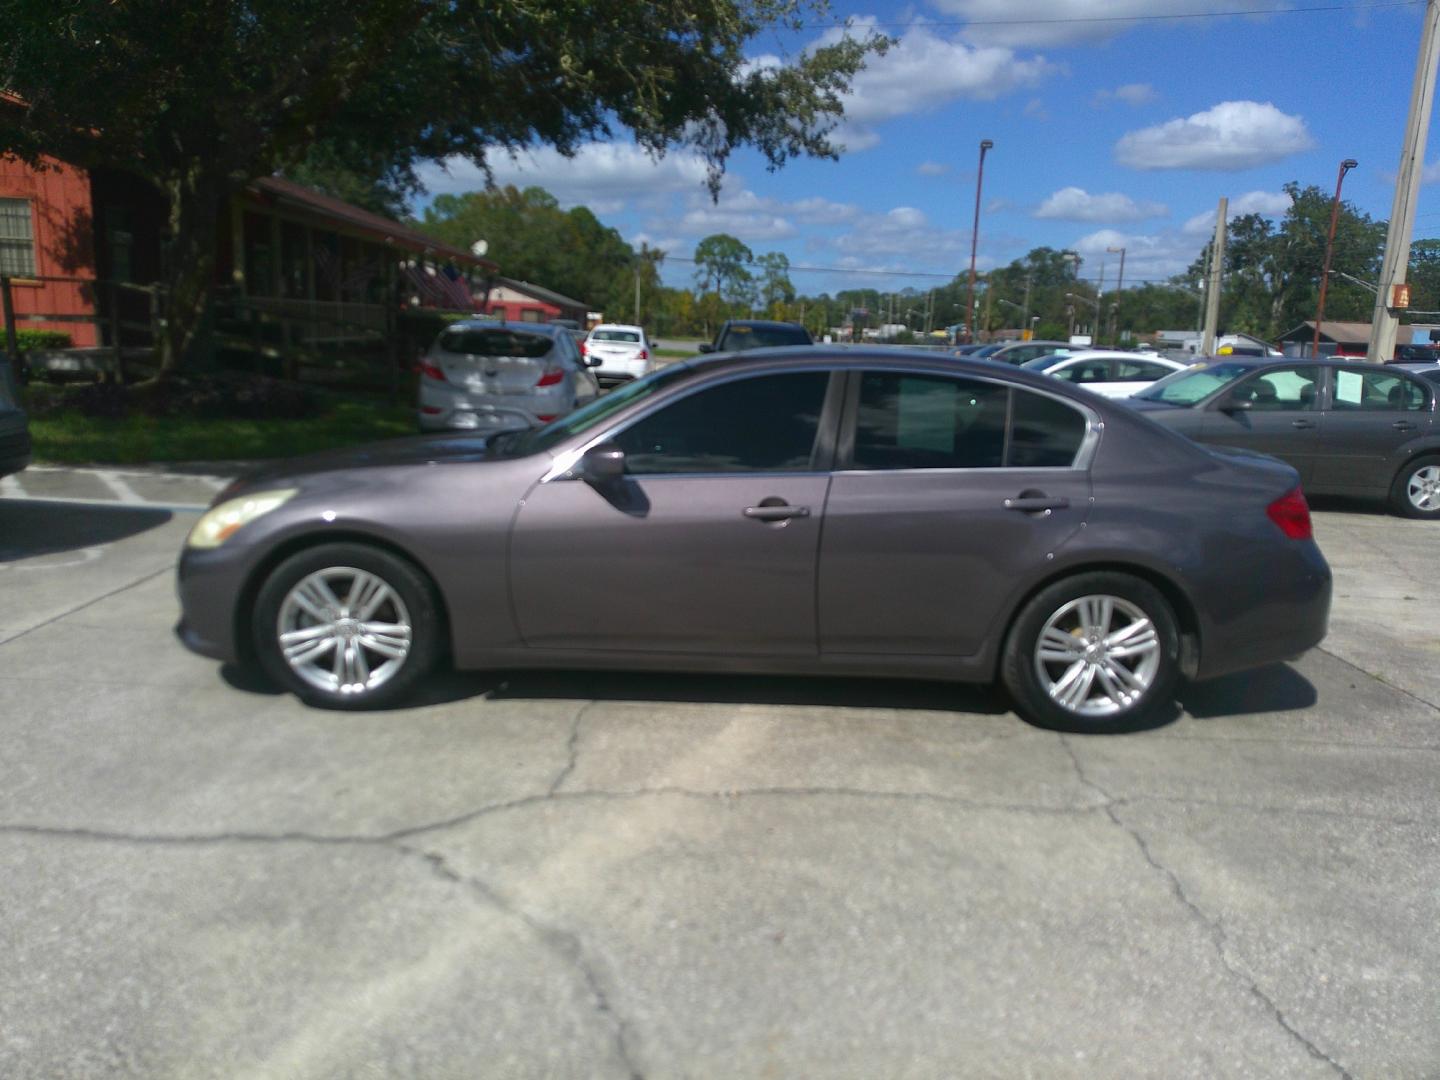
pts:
[1213, 927]
[1380, 679]
[168, 569]
[564, 943]
[572, 747]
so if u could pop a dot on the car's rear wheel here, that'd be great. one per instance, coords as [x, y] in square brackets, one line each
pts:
[347, 626]
[1416, 492]
[1095, 652]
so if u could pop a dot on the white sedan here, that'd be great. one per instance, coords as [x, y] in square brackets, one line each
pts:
[1113, 374]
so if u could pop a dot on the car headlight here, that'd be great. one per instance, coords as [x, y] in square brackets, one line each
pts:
[219, 523]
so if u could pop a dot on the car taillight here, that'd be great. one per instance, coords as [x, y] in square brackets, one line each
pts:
[431, 371]
[544, 419]
[431, 410]
[1292, 513]
[584, 348]
[551, 376]
[644, 355]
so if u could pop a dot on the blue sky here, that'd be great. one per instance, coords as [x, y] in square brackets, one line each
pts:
[1109, 131]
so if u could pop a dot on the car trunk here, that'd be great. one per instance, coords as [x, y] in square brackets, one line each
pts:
[494, 361]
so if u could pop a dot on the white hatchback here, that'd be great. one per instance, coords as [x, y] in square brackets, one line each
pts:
[619, 352]
[1113, 374]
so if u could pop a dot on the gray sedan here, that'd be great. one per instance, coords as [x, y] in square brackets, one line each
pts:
[821, 512]
[1348, 428]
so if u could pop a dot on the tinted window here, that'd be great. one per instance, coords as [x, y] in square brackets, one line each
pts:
[929, 422]
[1044, 433]
[1084, 371]
[485, 342]
[1376, 391]
[615, 335]
[762, 424]
[1139, 371]
[1189, 387]
[1281, 390]
[738, 338]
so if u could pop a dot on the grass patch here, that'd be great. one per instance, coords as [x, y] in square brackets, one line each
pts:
[70, 438]
[674, 354]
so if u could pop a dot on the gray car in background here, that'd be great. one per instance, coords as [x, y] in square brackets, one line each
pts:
[492, 377]
[14, 428]
[861, 512]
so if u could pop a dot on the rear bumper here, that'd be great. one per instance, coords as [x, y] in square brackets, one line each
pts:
[15, 449]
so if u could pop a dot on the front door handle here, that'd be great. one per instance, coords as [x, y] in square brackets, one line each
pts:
[1036, 504]
[1403, 425]
[1302, 423]
[780, 512]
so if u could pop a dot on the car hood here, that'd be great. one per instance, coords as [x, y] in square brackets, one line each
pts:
[441, 449]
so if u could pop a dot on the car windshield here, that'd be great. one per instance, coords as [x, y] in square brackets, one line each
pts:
[615, 335]
[1194, 384]
[524, 443]
[1045, 363]
[474, 341]
[764, 337]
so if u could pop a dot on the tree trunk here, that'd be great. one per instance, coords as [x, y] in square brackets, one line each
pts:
[197, 198]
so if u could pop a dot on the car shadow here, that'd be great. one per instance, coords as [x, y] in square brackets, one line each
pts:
[33, 527]
[1347, 504]
[1277, 688]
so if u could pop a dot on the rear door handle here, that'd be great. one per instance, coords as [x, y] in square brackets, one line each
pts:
[1032, 504]
[1403, 425]
[1302, 423]
[776, 513]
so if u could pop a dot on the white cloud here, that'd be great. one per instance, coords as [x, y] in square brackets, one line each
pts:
[747, 216]
[1035, 109]
[1130, 94]
[1076, 204]
[1042, 23]
[1232, 135]
[1148, 257]
[1430, 173]
[924, 71]
[603, 176]
[932, 168]
[1269, 203]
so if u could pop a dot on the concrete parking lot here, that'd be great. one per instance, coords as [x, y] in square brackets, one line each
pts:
[594, 875]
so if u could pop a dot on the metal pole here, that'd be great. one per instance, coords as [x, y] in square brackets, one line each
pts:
[985, 144]
[1384, 323]
[1025, 308]
[1345, 166]
[1119, 286]
[1217, 268]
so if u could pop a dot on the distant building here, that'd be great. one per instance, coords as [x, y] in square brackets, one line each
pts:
[520, 301]
[1336, 339]
[1189, 341]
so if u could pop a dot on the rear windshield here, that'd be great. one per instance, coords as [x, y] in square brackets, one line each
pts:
[1195, 384]
[484, 341]
[614, 335]
[764, 337]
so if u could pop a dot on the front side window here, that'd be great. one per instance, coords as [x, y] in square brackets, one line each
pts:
[17, 238]
[1291, 389]
[1084, 371]
[1376, 391]
[934, 422]
[1139, 371]
[767, 423]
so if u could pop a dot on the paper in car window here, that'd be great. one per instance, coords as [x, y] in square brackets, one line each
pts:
[1349, 387]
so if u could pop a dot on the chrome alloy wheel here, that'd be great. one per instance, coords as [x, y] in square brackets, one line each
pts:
[344, 630]
[1423, 490]
[1097, 655]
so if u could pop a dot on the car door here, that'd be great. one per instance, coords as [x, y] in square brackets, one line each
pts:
[947, 489]
[1276, 411]
[1372, 413]
[707, 546]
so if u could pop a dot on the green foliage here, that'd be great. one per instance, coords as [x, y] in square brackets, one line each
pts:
[42, 339]
[722, 268]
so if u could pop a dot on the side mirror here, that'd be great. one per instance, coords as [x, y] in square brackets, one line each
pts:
[602, 465]
[592, 360]
[1231, 403]
[705, 346]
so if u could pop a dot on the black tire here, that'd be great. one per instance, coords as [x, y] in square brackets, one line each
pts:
[1400, 500]
[1020, 667]
[415, 592]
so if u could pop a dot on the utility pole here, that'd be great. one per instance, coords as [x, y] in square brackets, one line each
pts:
[985, 144]
[1119, 286]
[1345, 166]
[1217, 268]
[1386, 322]
[1025, 307]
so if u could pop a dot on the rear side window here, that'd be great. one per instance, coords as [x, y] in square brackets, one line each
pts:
[766, 423]
[933, 422]
[1140, 371]
[1376, 391]
[1084, 371]
[487, 342]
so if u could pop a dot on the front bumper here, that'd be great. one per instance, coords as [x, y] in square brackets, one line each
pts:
[210, 586]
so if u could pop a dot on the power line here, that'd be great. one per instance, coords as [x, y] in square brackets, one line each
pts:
[1091, 19]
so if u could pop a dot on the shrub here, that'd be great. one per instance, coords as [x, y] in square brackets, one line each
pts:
[213, 397]
[42, 339]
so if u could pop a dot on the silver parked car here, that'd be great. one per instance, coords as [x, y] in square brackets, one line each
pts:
[492, 377]
[824, 512]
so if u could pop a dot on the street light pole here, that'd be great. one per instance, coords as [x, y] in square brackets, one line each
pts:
[1119, 285]
[985, 144]
[1345, 166]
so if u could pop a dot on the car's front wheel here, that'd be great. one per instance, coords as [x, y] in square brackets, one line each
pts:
[1416, 492]
[1093, 653]
[347, 625]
